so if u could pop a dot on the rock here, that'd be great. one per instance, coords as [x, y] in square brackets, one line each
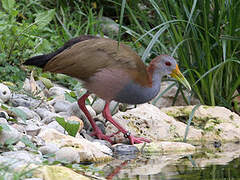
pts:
[216, 123]
[49, 148]
[58, 91]
[87, 150]
[165, 147]
[32, 129]
[19, 159]
[30, 114]
[167, 99]
[47, 116]
[61, 106]
[67, 155]
[5, 93]
[55, 125]
[99, 104]
[9, 134]
[148, 121]
[54, 172]
[24, 100]
[3, 121]
[125, 152]
[108, 26]
[20, 145]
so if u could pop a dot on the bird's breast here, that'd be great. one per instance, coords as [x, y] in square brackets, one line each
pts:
[134, 93]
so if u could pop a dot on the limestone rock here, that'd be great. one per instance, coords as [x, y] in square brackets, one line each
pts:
[9, 134]
[87, 150]
[148, 121]
[58, 172]
[216, 123]
[166, 147]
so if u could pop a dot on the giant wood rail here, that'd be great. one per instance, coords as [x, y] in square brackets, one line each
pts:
[111, 70]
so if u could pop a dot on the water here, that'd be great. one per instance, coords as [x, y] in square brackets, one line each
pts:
[209, 162]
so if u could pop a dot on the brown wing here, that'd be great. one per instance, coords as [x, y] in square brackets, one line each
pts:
[85, 58]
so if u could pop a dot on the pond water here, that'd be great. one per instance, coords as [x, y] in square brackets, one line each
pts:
[208, 162]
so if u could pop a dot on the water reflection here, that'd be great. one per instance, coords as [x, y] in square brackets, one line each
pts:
[208, 162]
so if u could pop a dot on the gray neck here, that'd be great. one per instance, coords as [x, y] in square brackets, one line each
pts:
[133, 93]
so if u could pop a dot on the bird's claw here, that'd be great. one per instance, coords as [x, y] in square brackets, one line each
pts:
[137, 140]
[100, 135]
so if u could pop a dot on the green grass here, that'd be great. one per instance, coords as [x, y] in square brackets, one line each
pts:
[203, 35]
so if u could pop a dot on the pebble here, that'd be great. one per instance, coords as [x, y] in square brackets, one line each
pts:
[68, 154]
[49, 148]
[61, 106]
[57, 91]
[5, 93]
[23, 100]
[9, 134]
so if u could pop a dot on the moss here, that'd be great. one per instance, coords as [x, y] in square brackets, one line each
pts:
[231, 117]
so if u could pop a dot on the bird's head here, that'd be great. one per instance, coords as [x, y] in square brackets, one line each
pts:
[167, 65]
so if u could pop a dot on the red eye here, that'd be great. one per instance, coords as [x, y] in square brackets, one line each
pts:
[167, 63]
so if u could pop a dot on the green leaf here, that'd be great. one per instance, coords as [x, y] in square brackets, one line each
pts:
[43, 18]
[70, 126]
[28, 142]
[19, 113]
[8, 4]
[71, 97]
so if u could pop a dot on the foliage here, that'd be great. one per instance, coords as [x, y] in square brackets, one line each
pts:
[71, 127]
[202, 35]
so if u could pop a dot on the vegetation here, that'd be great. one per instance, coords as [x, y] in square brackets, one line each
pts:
[202, 35]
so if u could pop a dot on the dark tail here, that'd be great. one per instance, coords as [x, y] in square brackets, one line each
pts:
[39, 61]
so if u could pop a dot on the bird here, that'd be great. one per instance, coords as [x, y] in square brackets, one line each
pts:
[112, 71]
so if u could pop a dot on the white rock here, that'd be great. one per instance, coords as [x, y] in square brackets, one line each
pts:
[57, 91]
[30, 114]
[67, 154]
[87, 150]
[55, 125]
[5, 93]
[148, 121]
[216, 123]
[49, 148]
[61, 105]
[32, 129]
[47, 116]
[12, 134]
[166, 147]
[3, 121]
[19, 159]
[24, 100]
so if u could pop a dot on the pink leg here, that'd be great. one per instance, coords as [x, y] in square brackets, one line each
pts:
[97, 132]
[107, 114]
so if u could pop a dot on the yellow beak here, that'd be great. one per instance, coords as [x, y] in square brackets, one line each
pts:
[179, 76]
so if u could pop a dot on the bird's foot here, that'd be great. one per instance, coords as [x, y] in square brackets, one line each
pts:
[98, 133]
[135, 140]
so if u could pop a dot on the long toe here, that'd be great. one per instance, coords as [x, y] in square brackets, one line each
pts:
[98, 133]
[137, 140]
